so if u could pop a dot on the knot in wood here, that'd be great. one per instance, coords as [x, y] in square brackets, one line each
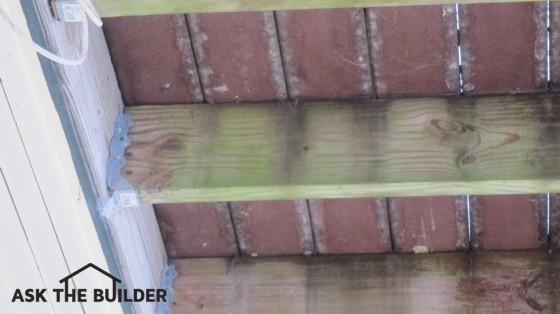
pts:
[468, 159]
[173, 143]
[446, 126]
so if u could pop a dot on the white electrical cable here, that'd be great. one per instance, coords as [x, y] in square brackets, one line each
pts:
[44, 52]
[90, 12]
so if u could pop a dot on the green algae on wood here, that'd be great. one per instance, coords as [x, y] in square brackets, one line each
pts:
[398, 147]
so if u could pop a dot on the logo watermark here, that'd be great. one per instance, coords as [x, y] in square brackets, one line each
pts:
[113, 294]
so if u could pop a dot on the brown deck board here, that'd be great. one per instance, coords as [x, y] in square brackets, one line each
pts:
[350, 226]
[429, 224]
[503, 47]
[325, 53]
[196, 229]
[153, 59]
[414, 50]
[270, 228]
[508, 222]
[238, 56]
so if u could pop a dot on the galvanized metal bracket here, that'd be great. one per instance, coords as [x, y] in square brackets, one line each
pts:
[167, 276]
[124, 193]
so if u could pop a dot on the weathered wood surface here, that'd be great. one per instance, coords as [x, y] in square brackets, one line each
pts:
[108, 8]
[90, 90]
[506, 282]
[406, 147]
[93, 99]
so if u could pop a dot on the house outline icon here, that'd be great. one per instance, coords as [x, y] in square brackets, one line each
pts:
[66, 279]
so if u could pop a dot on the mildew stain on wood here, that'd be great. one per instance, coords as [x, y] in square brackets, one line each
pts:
[461, 216]
[185, 46]
[506, 282]
[289, 152]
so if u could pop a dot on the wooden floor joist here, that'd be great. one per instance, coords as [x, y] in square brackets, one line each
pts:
[489, 282]
[398, 147]
[108, 8]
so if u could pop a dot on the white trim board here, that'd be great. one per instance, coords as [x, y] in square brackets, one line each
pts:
[92, 99]
[40, 176]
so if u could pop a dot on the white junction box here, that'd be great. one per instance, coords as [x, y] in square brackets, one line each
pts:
[67, 11]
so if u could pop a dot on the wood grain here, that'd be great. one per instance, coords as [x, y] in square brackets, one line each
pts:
[405, 147]
[90, 91]
[508, 282]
